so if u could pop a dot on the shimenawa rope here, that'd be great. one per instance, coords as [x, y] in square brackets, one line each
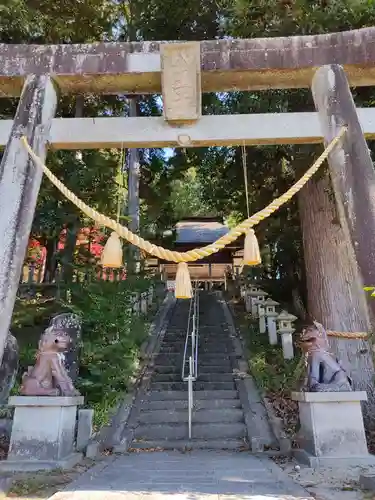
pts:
[197, 253]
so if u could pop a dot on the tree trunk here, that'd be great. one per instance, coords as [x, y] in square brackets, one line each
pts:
[351, 167]
[298, 304]
[335, 289]
[72, 228]
[134, 174]
[51, 263]
[68, 253]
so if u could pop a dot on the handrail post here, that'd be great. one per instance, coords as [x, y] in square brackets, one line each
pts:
[190, 394]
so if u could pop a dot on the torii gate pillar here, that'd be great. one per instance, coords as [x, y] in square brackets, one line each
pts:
[351, 168]
[19, 187]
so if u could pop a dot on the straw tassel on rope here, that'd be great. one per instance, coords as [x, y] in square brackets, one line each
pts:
[112, 252]
[183, 288]
[251, 253]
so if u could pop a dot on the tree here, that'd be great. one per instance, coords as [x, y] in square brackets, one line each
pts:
[90, 175]
[334, 284]
[186, 196]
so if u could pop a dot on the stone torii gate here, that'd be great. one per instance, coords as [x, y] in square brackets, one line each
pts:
[182, 71]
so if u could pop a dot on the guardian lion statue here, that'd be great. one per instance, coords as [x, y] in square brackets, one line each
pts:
[324, 371]
[49, 376]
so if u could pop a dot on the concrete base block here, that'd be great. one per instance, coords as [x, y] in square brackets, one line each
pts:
[262, 324]
[93, 450]
[285, 445]
[122, 447]
[257, 445]
[272, 330]
[287, 344]
[43, 433]
[6, 484]
[367, 482]
[84, 430]
[332, 433]
[38, 465]
[247, 300]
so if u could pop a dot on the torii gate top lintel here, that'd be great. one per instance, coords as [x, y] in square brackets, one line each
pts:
[226, 64]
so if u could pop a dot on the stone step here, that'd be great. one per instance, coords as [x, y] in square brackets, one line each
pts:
[173, 358]
[202, 377]
[176, 368]
[202, 348]
[235, 430]
[182, 395]
[190, 444]
[169, 359]
[204, 334]
[214, 349]
[198, 386]
[209, 337]
[210, 357]
[201, 344]
[218, 415]
[169, 369]
[202, 369]
[199, 404]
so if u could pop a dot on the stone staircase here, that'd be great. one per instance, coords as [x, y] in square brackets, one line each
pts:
[218, 418]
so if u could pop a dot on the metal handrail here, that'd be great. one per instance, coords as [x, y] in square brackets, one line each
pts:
[186, 340]
[192, 334]
[196, 336]
[190, 379]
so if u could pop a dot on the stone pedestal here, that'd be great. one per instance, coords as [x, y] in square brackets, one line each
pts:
[43, 433]
[137, 304]
[150, 296]
[332, 431]
[287, 344]
[262, 318]
[84, 428]
[248, 302]
[272, 330]
[144, 306]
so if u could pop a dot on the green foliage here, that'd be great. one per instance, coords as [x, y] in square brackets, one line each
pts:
[43, 21]
[111, 337]
[265, 18]
[370, 289]
[186, 196]
[91, 178]
[194, 20]
[271, 371]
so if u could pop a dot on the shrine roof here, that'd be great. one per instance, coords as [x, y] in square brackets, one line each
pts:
[199, 230]
[226, 64]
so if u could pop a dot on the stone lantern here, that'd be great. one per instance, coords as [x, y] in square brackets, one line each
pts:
[250, 296]
[286, 330]
[259, 298]
[271, 315]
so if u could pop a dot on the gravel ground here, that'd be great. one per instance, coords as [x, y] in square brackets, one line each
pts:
[328, 483]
